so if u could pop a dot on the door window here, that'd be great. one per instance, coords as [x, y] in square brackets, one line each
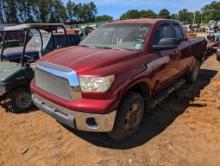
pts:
[164, 31]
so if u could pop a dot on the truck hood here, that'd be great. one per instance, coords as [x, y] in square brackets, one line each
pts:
[83, 59]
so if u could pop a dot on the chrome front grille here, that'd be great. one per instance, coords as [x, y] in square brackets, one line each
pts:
[51, 78]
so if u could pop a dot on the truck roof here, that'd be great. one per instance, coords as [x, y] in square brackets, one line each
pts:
[143, 21]
[43, 26]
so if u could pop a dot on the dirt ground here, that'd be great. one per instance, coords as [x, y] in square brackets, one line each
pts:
[183, 130]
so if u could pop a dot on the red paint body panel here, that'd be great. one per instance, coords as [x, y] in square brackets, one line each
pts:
[81, 105]
[129, 68]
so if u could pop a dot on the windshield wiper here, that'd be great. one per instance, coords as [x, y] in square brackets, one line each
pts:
[87, 46]
[116, 48]
[106, 47]
[113, 48]
[83, 45]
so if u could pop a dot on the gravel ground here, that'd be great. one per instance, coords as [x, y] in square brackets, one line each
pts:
[183, 130]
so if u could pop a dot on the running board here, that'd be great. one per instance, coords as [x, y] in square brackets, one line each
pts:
[164, 94]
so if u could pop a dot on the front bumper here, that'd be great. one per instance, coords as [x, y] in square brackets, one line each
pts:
[77, 120]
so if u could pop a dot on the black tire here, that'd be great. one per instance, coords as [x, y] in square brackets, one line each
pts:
[19, 100]
[193, 75]
[121, 129]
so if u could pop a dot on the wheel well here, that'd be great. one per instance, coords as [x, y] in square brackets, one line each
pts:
[143, 89]
[201, 56]
[17, 87]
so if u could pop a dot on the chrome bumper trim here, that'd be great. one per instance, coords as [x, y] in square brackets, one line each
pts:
[73, 119]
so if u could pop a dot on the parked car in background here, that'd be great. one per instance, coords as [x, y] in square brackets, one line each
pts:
[116, 74]
[51, 42]
[17, 69]
[12, 43]
[85, 31]
[14, 39]
[187, 27]
[214, 36]
[12, 35]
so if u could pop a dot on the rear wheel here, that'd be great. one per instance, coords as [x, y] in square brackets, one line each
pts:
[129, 117]
[19, 100]
[193, 75]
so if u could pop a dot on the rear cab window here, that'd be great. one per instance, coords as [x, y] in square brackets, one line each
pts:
[178, 32]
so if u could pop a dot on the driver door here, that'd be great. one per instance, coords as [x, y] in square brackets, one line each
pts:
[164, 59]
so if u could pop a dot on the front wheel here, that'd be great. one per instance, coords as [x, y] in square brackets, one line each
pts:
[129, 117]
[19, 100]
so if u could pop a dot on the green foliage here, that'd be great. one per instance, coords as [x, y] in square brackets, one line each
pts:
[174, 16]
[198, 17]
[134, 14]
[9, 11]
[211, 11]
[208, 12]
[164, 13]
[70, 11]
[57, 12]
[103, 18]
[19, 11]
[148, 14]
[131, 14]
[185, 16]
[14, 11]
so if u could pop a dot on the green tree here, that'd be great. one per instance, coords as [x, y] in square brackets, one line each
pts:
[57, 12]
[211, 11]
[91, 11]
[44, 7]
[134, 14]
[103, 18]
[197, 17]
[147, 14]
[14, 11]
[85, 12]
[164, 13]
[174, 16]
[10, 11]
[25, 12]
[70, 10]
[185, 16]
[1, 12]
[130, 14]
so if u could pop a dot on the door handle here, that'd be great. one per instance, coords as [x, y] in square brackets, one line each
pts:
[177, 52]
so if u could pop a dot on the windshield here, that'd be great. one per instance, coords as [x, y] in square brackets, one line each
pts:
[118, 36]
[35, 41]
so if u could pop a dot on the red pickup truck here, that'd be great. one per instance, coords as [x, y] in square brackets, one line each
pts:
[116, 74]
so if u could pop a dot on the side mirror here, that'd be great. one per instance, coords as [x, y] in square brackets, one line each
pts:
[166, 44]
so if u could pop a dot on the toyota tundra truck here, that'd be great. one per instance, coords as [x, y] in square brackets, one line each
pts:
[116, 74]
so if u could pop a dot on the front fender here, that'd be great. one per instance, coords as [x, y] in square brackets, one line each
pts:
[139, 80]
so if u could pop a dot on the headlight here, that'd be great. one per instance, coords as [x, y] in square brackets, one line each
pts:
[96, 84]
